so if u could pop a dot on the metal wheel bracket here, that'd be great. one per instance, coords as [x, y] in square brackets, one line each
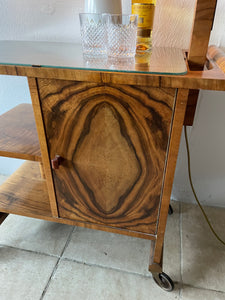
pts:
[163, 281]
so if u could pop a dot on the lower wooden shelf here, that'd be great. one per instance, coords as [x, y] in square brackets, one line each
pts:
[25, 193]
[18, 134]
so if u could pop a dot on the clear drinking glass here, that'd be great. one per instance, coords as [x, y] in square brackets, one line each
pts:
[93, 34]
[122, 34]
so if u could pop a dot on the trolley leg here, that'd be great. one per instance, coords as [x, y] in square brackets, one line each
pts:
[42, 170]
[155, 267]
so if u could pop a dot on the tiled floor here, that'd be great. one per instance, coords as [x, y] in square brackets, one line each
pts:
[43, 260]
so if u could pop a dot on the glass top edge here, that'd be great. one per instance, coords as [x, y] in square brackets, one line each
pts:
[64, 55]
[95, 70]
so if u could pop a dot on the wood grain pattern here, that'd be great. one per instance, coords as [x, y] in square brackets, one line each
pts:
[204, 16]
[18, 134]
[113, 140]
[218, 56]
[206, 80]
[25, 192]
[43, 144]
[181, 102]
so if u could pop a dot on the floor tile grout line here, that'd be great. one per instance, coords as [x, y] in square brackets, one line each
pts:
[30, 251]
[50, 278]
[203, 289]
[106, 267]
[68, 241]
[57, 263]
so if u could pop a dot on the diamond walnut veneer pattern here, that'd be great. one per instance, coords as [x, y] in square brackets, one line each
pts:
[113, 140]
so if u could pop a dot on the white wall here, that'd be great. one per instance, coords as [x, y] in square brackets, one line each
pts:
[13, 91]
[207, 147]
[57, 20]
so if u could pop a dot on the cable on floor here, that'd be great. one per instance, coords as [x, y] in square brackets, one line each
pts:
[193, 190]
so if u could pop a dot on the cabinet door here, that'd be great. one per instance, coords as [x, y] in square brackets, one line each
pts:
[113, 139]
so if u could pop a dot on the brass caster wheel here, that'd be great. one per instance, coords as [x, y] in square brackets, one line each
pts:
[164, 281]
[170, 212]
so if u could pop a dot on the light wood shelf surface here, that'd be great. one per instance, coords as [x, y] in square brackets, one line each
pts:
[18, 134]
[25, 193]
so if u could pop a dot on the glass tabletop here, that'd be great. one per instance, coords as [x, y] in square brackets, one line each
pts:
[69, 55]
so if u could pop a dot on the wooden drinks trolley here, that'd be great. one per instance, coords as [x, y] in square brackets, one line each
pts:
[102, 138]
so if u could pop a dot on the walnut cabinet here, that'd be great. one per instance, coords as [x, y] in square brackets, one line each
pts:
[101, 140]
[99, 154]
[112, 140]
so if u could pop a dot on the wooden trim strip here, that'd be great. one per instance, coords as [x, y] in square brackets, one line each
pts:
[88, 225]
[213, 79]
[191, 107]
[43, 144]
[180, 108]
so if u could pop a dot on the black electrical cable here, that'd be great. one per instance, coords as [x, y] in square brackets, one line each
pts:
[193, 190]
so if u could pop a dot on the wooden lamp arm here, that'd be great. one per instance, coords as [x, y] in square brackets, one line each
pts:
[203, 22]
[217, 55]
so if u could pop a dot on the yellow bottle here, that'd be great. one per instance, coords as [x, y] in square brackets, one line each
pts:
[145, 9]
